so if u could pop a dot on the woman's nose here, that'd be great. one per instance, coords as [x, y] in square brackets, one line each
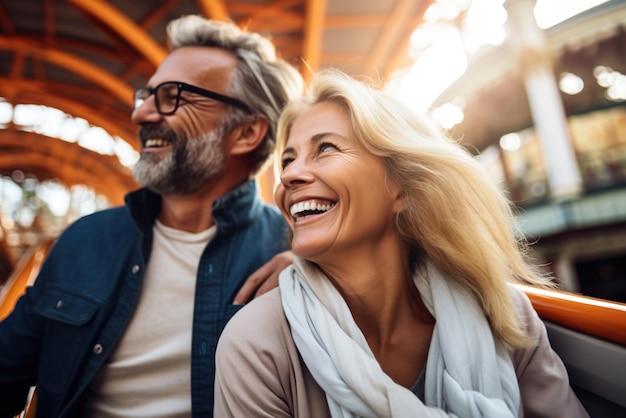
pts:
[296, 173]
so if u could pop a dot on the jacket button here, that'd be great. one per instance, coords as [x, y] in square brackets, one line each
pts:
[59, 304]
[97, 349]
[136, 269]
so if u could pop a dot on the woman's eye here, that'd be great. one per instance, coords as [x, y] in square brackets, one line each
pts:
[285, 162]
[326, 146]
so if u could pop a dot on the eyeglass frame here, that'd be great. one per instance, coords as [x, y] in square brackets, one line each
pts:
[181, 86]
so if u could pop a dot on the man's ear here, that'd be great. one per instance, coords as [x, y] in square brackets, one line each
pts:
[247, 136]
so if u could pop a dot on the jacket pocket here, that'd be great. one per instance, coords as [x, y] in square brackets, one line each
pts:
[63, 306]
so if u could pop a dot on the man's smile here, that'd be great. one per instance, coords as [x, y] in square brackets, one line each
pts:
[156, 143]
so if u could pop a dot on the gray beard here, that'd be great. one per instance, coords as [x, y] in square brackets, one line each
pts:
[191, 164]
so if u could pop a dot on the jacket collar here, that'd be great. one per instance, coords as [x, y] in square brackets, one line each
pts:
[234, 210]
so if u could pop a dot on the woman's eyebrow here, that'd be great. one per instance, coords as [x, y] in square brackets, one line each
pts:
[315, 140]
[318, 138]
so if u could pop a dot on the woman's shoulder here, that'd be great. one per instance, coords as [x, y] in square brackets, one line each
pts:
[257, 346]
[524, 308]
[262, 316]
[259, 371]
[542, 376]
[266, 306]
[539, 352]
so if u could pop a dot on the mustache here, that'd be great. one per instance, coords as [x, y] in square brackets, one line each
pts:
[157, 131]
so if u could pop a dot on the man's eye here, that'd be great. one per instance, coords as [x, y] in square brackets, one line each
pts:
[169, 95]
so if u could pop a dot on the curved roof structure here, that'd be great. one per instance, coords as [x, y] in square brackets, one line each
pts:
[85, 58]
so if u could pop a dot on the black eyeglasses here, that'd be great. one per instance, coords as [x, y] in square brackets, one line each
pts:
[167, 96]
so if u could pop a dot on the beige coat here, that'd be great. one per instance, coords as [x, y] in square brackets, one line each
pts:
[260, 374]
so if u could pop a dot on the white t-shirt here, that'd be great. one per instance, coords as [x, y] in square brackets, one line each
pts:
[149, 373]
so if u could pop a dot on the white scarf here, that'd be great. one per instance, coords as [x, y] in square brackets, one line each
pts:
[468, 374]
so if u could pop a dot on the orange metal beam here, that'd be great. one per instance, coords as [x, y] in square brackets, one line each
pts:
[277, 14]
[274, 24]
[597, 317]
[49, 28]
[73, 63]
[124, 27]
[23, 275]
[399, 55]
[344, 57]
[17, 68]
[387, 40]
[258, 9]
[355, 21]
[105, 179]
[39, 93]
[313, 36]
[90, 72]
[214, 9]
[68, 162]
[158, 13]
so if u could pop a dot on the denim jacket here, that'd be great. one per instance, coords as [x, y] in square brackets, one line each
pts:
[66, 325]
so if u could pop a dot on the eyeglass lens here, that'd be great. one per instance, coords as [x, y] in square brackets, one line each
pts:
[166, 97]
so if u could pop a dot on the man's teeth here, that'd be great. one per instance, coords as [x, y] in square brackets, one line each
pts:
[158, 142]
[300, 207]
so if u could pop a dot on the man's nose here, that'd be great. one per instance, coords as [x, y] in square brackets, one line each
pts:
[146, 111]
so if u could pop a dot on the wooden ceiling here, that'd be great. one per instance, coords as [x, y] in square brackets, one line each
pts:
[85, 58]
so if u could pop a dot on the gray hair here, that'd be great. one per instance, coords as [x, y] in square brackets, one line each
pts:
[262, 81]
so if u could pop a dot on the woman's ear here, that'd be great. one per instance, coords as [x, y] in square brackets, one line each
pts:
[247, 136]
[400, 203]
[399, 197]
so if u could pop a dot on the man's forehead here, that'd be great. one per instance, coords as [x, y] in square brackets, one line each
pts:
[192, 64]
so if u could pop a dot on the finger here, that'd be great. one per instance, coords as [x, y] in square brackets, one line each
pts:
[264, 279]
[250, 286]
[279, 263]
[270, 283]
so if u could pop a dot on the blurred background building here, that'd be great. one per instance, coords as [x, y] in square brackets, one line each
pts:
[545, 111]
[536, 89]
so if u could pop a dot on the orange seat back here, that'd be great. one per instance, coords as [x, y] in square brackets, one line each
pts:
[23, 275]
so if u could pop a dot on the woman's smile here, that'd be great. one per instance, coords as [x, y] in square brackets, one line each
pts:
[307, 208]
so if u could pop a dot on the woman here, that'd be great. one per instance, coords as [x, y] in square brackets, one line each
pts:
[398, 303]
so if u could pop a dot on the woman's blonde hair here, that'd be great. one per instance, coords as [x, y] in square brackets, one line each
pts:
[454, 213]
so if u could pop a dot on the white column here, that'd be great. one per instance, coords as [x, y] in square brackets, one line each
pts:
[544, 99]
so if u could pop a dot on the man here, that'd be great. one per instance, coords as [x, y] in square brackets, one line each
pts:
[124, 317]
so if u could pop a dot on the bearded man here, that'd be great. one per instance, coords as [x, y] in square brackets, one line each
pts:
[124, 317]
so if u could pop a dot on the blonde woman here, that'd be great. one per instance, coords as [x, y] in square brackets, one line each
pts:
[399, 302]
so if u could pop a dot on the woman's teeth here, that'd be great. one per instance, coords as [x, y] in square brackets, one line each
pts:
[300, 208]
